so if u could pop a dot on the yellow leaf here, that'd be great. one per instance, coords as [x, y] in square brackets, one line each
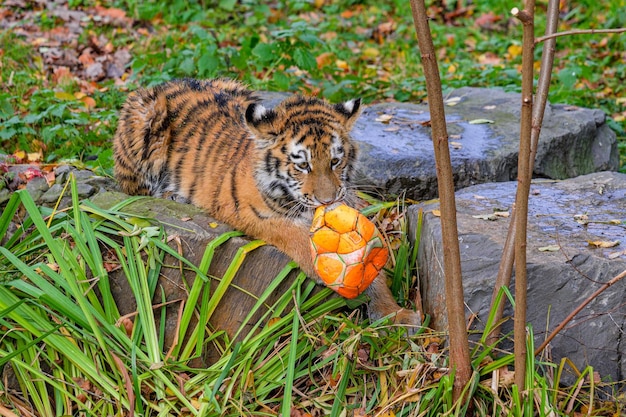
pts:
[342, 64]
[213, 225]
[514, 50]
[20, 155]
[62, 95]
[602, 243]
[451, 69]
[35, 156]
[436, 213]
[370, 53]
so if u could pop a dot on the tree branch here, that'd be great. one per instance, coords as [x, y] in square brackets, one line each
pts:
[578, 32]
[578, 310]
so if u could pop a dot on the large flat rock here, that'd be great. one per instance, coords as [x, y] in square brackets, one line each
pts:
[397, 153]
[563, 268]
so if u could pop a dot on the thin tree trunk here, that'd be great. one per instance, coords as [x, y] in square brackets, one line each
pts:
[524, 176]
[543, 86]
[459, 348]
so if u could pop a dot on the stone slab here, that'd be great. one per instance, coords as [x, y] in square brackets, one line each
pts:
[558, 279]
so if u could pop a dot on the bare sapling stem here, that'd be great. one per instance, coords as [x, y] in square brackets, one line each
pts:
[577, 310]
[577, 32]
[524, 176]
[545, 75]
[459, 348]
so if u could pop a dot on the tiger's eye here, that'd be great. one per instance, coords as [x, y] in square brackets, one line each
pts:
[304, 166]
[334, 162]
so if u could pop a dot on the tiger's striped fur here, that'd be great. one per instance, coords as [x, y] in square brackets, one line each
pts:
[263, 171]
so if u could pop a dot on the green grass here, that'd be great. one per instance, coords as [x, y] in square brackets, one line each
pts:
[72, 353]
[60, 332]
[334, 49]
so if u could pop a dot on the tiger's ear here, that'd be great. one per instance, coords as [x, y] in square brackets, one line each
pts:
[350, 111]
[260, 120]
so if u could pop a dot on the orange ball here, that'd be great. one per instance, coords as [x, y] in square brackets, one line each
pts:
[347, 249]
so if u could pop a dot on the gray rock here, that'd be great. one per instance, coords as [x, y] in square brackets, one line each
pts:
[5, 195]
[52, 194]
[195, 230]
[36, 187]
[559, 279]
[397, 152]
[61, 173]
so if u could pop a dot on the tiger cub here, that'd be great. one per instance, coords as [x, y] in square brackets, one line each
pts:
[262, 171]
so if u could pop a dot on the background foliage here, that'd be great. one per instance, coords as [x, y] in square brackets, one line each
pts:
[65, 69]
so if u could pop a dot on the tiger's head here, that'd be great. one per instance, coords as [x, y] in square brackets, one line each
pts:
[305, 153]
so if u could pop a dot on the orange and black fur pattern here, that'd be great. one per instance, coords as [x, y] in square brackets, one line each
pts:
[262, 171]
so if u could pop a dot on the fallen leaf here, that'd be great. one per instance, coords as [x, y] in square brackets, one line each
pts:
[436, 213]
[480, 121]
[62, 95]
[504, 214]
[88, 102]
[185, 219]
[489, 107]
[213, 225]
[392, 129]
[550, 248]
[324, 59]
[370, 53]
[603, 243]
[452, 101]
[581, 218]
[614, 255]
[456, 145]
[514, 51]
[490, 216]
[384, 118]
[35, 156]
[342, 65]
[487, 20]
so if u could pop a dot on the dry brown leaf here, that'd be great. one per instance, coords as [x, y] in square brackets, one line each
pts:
[324, 59]
[603, 243]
